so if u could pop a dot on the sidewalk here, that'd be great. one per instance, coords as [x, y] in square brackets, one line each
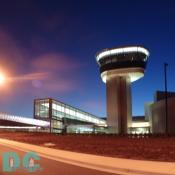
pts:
[102, 163]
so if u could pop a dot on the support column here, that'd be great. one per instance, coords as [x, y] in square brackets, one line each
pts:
[118, 104]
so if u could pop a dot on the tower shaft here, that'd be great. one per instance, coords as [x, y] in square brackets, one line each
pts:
[118, 103]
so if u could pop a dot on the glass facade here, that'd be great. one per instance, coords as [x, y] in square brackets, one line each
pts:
[42, 108]
[60, 114]
[139, 130]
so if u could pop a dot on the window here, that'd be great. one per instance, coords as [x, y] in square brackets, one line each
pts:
[42, 108]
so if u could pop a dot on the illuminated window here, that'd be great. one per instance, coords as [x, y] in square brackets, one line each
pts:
[42, 108]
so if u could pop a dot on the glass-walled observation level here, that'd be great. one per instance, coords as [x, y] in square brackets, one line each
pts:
[122, 57]
[127, 60]
[49, 108]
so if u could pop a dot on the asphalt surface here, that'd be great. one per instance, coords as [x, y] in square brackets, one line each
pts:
[47, 166]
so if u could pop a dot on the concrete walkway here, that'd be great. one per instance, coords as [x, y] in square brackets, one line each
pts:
[102, 163]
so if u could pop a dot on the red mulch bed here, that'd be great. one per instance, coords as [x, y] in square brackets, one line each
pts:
[147, 148]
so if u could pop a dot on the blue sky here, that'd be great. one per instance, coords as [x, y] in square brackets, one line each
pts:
[47, 49]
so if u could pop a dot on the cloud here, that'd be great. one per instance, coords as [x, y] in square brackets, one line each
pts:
[94, 104]
[61, 85]
[49, 72]
[54, 62]
[30, 76]
[62, 71]
[11, 56]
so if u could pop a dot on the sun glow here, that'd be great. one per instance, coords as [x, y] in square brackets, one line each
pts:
[2, 79]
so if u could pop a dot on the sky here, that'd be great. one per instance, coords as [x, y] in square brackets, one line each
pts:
[47, 49]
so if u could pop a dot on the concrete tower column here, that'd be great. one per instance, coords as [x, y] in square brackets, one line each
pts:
[118, 103]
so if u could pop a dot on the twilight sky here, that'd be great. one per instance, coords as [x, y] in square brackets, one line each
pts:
[47, 49]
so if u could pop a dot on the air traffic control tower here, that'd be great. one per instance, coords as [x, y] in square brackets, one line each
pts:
[119, 67]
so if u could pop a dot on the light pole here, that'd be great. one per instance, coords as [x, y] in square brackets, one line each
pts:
[166, 100]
